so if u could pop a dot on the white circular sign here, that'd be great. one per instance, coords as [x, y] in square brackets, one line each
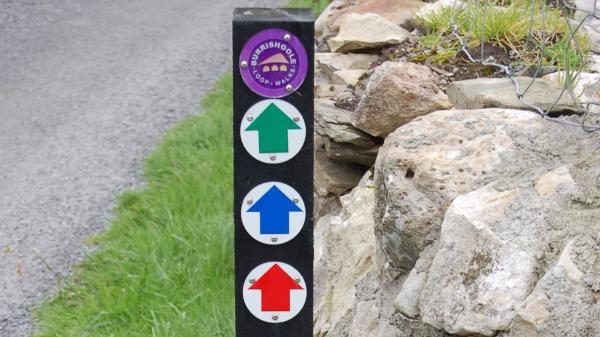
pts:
[273, 213]
[273, 131]
[274, 292]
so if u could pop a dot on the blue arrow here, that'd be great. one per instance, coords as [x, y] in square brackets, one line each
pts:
[274, 208]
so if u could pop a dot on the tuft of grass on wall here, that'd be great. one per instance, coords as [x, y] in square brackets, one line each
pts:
[528, 31]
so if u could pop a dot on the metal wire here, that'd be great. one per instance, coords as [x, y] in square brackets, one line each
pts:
[512, 71]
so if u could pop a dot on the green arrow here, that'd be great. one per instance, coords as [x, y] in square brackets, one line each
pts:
[272, 126]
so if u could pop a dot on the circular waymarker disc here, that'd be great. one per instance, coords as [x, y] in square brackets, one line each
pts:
[273, 131]
[274, 292]
[273, 63]
[273, 213]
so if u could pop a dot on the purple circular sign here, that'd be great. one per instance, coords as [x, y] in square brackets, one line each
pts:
[273, 63]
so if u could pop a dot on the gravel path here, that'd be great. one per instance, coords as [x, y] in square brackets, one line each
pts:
[86, 89]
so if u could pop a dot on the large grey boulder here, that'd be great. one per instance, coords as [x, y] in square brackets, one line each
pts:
[493, 243]
[426, 164]
[396, 93]
[365, 31]
[472, 205]
[501, 93]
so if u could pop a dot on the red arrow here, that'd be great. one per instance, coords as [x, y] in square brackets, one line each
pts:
[276, 286]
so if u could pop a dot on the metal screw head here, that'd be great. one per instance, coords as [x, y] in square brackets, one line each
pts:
[274, 239]
[250, 118]
[275, 317]
[250, 201]
[252, 281]
[273, 157]
[289, 88]
[296, 201]
[287, 37]
[296, 119]
[244, 64]
[297, 280]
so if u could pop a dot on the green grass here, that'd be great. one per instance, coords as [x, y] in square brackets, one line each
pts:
[507, 25]
[317, 5]
[165, 267]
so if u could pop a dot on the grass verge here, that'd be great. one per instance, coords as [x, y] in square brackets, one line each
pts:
[166, 265]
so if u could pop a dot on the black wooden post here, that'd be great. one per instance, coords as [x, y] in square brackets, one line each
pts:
[273, 171]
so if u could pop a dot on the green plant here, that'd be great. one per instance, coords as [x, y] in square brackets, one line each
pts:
[529, 31]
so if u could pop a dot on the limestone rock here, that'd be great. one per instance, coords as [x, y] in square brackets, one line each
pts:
[334, 177]
[365, 31]
[332, 62]
[325, 205]
[396, 93]
[348, 77]
[591, 26]
[565, 301]
[344, 257]
[586, 88]
[476, 269]
[493, 243]
[407, 302]
[594, 62]
[400, 326]
[548, 184]
[323, 22]
[500, 93]
[399, 12]
[351, 153]
[366, 319]
[335, 123]
[328, 90]
[426, 164]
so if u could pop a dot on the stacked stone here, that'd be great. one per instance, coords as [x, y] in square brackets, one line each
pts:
[446, 209]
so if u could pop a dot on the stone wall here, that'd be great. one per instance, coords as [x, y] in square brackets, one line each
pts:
[446, 208]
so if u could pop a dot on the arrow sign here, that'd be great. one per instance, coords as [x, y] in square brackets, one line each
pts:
[272, 126]
[275, 286]
[274, 208]
[273, 213]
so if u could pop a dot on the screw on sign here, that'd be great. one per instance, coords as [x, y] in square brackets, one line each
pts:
[273, 213]
[273, 131]
[274, 63]
[274, 292]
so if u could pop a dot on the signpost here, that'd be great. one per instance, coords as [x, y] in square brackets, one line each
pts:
[273, 171]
